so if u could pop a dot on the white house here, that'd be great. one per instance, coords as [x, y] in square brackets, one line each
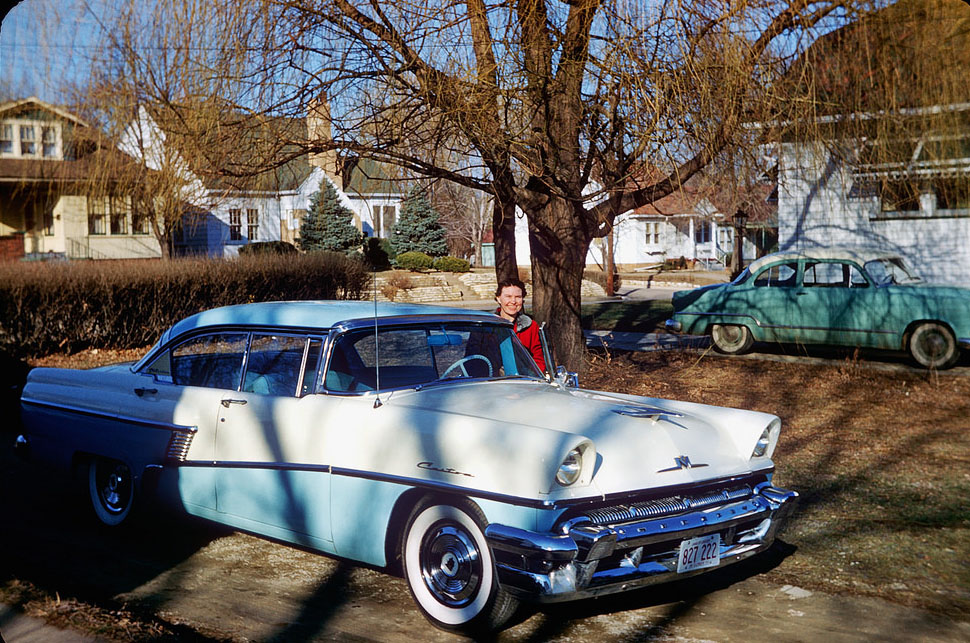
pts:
[825, 201]
[221, 218]
[48, 205]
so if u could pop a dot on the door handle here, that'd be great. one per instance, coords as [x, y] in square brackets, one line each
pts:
[141, 392]
[226, 403]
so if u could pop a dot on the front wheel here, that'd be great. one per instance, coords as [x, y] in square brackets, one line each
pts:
[450, 570]
[932, 345]
[112, 490]
[731, 339]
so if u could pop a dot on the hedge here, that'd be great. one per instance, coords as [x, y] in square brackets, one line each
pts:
[413, 260]
[451, 264]
[70, 306]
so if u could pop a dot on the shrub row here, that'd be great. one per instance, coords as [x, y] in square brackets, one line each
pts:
[53, 307]
[413, 260]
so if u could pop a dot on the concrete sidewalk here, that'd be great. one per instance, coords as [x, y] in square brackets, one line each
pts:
[17, 627]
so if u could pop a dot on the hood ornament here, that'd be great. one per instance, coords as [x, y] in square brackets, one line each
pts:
[649, 412]
[682, 462]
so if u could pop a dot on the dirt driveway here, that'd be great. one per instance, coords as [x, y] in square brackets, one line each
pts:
[176, 578]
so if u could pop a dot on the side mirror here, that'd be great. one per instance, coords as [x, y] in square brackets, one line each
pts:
[566, 379]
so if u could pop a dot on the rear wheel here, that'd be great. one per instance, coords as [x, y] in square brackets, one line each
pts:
[450, 570]
[932, 345]
[731, 339]
[112, 490]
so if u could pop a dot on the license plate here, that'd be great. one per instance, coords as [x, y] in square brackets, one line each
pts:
[698, 553]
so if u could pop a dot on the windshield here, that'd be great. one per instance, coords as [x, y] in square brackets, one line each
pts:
[890, 270]
[415, 355]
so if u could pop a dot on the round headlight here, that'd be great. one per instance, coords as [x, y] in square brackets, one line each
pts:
[762, 445]
[570, 468]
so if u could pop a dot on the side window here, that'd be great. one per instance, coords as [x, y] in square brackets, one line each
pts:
[213, 361]
[273, 367]
[831, 274]
[778, 275]
[312, 366]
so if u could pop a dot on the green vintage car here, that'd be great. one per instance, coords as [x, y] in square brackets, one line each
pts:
[861, 297]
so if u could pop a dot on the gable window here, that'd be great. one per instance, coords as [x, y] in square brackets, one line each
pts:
[252, 224]
[6, 139]
[48, 139]
[28, 144]
[235, 225]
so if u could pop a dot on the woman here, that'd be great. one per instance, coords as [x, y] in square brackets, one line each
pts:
[510, 295]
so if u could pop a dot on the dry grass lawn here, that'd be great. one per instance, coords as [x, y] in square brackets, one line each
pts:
[881, 460]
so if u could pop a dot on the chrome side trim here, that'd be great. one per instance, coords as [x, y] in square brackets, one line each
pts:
[117, 417]
[760, 325]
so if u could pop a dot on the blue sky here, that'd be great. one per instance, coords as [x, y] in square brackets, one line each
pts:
[43, 43]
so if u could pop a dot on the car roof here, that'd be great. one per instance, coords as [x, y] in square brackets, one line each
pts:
[859, 254]
[311, 314]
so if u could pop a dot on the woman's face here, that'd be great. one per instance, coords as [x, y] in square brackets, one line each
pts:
[510, 301]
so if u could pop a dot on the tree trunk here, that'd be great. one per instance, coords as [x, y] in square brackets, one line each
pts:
[503, 231]
[558, 258]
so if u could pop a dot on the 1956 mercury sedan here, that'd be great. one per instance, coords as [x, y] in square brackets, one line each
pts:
[422, 439]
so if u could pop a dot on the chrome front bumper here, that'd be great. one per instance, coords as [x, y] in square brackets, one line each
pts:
[592, 560]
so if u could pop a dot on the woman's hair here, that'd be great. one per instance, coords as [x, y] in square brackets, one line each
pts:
[510, 282]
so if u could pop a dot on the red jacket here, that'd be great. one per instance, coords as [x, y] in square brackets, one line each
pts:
[527, 331]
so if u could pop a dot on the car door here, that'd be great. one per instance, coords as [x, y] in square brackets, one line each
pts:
[771, 300]
[270, 477]
[837, 304]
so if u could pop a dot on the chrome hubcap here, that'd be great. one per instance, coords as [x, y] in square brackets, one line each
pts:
[115, 489]
[451, 565]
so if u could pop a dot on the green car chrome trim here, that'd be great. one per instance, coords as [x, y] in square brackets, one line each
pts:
[823, 328]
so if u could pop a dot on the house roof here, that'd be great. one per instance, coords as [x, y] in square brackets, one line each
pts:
[912, 53]
[32, 106]
[699, 196]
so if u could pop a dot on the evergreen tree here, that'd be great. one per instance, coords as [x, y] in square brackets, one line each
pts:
[328, 225]
[418, 228]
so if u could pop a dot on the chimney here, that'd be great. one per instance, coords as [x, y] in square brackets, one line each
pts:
[319, 133]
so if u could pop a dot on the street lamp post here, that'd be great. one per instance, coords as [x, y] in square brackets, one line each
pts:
[740, 218]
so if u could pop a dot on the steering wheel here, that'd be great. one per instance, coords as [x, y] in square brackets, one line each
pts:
[461, 364]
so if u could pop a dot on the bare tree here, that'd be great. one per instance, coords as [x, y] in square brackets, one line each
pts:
[466, 215]
[561, 105]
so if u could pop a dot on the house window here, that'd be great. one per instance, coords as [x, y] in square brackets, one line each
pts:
[98, 216]
[139, 223]
[702, 232]
[48, 222]
[387, 214]
[28, 144]
[252, 224]
[48, 139]
[235, 225]
[653, 232]
[6, 139]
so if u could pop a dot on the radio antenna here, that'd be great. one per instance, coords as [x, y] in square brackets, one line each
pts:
[377, 347]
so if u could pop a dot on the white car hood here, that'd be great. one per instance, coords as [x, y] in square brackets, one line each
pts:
[649, 448]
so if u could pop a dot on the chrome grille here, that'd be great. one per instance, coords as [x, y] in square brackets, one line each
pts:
[179, 443]
[664, 506]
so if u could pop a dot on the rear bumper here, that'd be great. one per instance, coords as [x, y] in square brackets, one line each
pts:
[588, 560]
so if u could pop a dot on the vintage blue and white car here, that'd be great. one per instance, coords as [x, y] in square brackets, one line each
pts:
[423, 439]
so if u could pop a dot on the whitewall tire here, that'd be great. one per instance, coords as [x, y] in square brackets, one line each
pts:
[450, 570]
[112, 490]
[731, 339]
[933, 345]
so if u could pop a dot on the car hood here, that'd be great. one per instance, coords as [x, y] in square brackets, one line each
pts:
[639, 442]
